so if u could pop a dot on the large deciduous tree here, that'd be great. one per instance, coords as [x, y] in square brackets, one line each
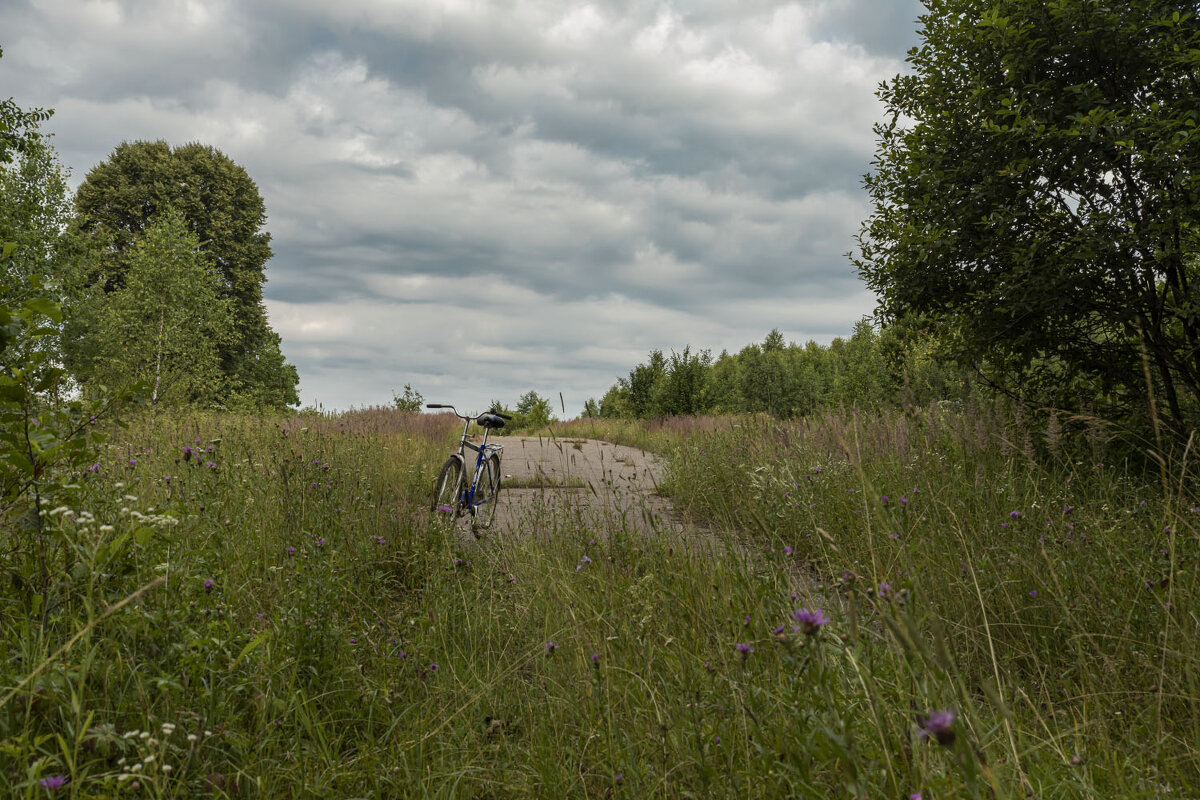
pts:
[122, 197]
[1037, 192]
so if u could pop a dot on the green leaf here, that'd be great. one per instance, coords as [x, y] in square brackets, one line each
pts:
[252, 645]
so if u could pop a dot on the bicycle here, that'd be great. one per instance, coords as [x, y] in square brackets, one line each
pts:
[451, 492]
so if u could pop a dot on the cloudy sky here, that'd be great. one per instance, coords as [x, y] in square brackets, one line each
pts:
[483, 197]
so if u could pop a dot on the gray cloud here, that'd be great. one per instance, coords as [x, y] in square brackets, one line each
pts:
[482, 198]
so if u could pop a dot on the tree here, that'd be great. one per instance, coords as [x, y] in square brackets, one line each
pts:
[121, 197]
[591, 409]
[682, 388]
[533, 410]
[1035, 191]
[166, 324]
[411, 400]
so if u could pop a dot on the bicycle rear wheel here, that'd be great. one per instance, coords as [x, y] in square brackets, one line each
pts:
[447, 491]
[487, 492]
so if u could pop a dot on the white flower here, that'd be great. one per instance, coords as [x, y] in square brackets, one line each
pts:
[107, 529]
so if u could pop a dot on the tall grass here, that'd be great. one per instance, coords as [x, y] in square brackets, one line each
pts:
[307, 629]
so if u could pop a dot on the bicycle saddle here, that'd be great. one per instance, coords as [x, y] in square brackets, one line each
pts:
[490, 421]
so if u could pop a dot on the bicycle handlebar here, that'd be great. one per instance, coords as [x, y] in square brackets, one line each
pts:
[455, 410]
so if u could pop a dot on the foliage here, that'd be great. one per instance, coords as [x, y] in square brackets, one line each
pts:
[533, 411]
[121, 197]
[318, 633]
[1035, 192]
[904, 364]
[166, 323]
[411, 400]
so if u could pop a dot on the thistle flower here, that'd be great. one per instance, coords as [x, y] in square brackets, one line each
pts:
[811, 620]
[550, 647]
[745, 649]
[938, 725]
[53, 781]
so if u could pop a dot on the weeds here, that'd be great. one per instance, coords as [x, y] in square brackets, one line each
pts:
[899, 606]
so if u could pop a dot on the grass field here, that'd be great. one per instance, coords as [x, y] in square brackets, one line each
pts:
[887, 606]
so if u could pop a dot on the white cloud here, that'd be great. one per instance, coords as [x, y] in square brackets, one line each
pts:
[485, 198]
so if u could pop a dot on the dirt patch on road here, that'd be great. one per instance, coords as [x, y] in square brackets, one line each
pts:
[599, 484]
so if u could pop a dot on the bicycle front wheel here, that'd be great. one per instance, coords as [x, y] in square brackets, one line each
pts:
[447, 491]
[487, 492]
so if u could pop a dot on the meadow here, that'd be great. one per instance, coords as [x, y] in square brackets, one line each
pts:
[929, 604]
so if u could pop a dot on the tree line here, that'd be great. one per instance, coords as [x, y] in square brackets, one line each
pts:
[900, 365]
[156, 263]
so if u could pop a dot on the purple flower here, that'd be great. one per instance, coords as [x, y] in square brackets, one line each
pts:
[378, 540]
[433, 667]
[811, 620]
[54, 781]
[885, 499]
[321, 542]
[353, 640]
[745, 649]
[938, 725]
[444, 509]
[885, 589]
[94, 468]
[1033, 592]
[915, 796]
[1015, 515]
[550, 647]
[787, 549]
[211, 465]
[595, 659]
[778, 630]
[133, 462]
[208, 584]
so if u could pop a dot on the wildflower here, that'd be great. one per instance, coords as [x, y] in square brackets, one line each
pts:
[291, 551]
[54, 781]
[620, 776]
[595, 659]
[811, 620]
[903, 501]
[433, 667]
[744, 649]
[938, 725]
[133, 462]
[208, 584]
[379, 540]
[778, 630]
[550, 647]
[444, 509]
[885, 499]
[321, 542]
[1015, 515]
[211, 465]
[1033, 592]
[885, 589]
[353, 640]
[94, 468]
[787, 549]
